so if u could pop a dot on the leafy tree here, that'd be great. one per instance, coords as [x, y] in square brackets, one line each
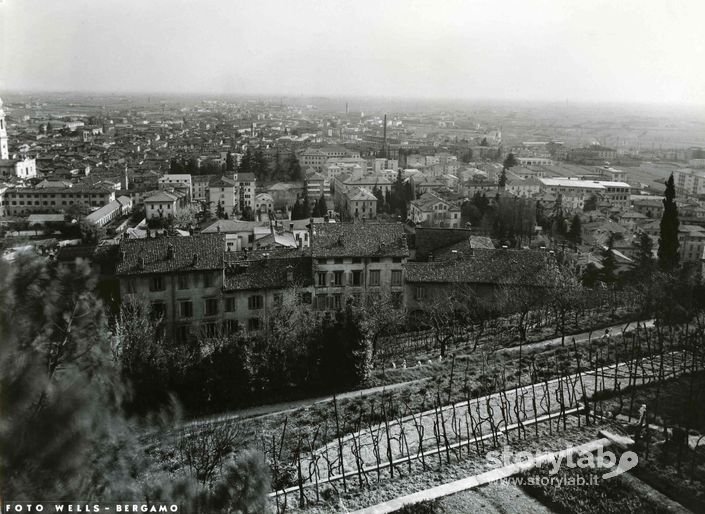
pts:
[502, 183]
[261, 166]
[380, 198]
[668, 255]
[90, 232]
[575, 232]
[644, 261]
[321, 209]
[186, 217]
[67, 435]
[192, 166]
[346, 353]
[176, 166]
[229, 162]
[294, 168]
[220, 211]
[247, 213]
[466, 157]
[608, 273]
[510, 161]
[280, 172]
[247, 162]
[484, 142]
[590, 203]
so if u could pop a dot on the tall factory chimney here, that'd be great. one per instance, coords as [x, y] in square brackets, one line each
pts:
[384, 144]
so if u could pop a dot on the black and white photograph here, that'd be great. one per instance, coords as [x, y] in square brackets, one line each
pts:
[352, 256]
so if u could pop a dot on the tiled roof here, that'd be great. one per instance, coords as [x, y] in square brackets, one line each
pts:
[245, 177]
[233, 226]
[221, 182]
[198, 252]
[70, 253]
[357, 194]
[162, 196]
[359, 240]
[516, 267]
[464, 248]
[269, 273]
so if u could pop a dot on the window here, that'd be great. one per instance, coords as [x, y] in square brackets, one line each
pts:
[182, 333]
[337, 301]
[396, 299]
[396, 259]
[357, 278]
[338, 260]
[396, 277]
[321, 278]
[322, 261]
[253, 324]
[356, 260]
[156, 283]
[278, 300]
[374, 277]
[420, 293]
[207, 280]
[374, 259]
[182, 282]
[158, 310]
[209, 329]
[231, 326]
[211, 306]
[255, 302]
[186, 309]
[229, 304]
[306, 298]
[338, 278]
[321, 302]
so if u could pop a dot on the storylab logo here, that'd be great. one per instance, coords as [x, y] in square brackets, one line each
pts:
[601, 459]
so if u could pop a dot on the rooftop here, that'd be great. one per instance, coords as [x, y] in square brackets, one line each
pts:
[198, 252]
[268, 273]
[359, 240]
[514, 267]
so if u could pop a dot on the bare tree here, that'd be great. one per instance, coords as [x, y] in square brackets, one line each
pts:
[204, 452]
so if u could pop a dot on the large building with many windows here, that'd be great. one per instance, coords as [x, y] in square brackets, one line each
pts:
[24, 200]
[357, 261]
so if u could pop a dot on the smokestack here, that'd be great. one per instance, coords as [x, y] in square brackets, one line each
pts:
[384, 145]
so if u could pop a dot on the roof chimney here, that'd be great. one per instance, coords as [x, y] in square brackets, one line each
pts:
[169, 251]
[141, 263]
[195, 260]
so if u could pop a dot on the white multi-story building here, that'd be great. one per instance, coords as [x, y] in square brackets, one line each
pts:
[177, 180]
[246, 190]
[574, 192]
[689, 182]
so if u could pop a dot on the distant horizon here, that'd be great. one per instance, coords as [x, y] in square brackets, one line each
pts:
[345, 97]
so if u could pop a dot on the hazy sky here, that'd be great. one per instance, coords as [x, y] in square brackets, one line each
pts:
[616, 50]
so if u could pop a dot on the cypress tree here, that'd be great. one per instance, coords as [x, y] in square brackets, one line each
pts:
[668, 256]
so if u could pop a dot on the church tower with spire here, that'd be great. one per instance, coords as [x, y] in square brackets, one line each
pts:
[4, 153]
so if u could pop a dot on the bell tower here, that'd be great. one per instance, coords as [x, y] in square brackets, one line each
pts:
[4, 153]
